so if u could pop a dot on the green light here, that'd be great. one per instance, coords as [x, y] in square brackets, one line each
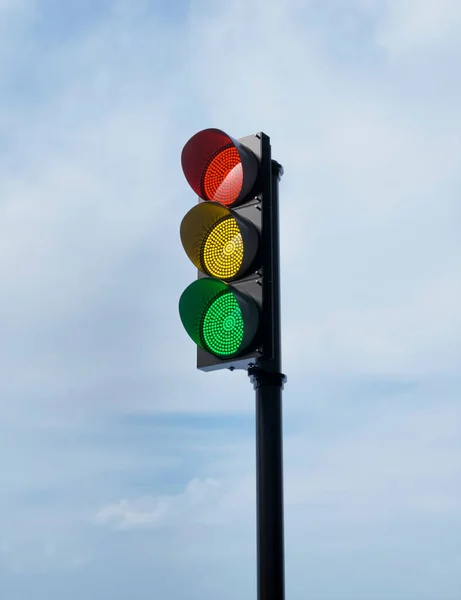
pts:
[222, 325]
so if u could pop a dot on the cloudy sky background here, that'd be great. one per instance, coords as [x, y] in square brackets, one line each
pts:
[125, 473]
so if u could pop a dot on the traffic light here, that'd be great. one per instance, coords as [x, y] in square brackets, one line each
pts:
[232, 310]
[228, 236]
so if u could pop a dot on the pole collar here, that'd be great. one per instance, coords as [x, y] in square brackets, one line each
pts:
[260, 377]
[277, 169]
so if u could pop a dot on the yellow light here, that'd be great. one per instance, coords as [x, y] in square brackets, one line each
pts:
[222, 251]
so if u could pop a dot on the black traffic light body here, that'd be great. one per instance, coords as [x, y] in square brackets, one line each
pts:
[252, 210]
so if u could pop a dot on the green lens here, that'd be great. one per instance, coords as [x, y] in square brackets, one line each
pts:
[222, 325]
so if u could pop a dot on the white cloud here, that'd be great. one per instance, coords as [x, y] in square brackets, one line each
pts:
[191, 506]
[362, 490]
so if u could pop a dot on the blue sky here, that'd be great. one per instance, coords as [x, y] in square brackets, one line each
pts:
[125, 472]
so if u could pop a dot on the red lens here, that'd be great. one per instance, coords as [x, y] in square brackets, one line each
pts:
[223, 176]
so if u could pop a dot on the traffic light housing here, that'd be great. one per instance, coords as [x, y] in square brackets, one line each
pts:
[228, 235]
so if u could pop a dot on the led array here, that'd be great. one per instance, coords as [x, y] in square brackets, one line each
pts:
[222, 325]
[222, 250]
[223, 176]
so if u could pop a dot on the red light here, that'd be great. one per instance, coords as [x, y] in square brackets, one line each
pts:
[223, 176]
[219, 168]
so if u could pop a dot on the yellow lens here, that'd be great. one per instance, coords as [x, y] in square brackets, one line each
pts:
[222, 253]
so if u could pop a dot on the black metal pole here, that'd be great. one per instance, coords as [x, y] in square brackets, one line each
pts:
[268, 383]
